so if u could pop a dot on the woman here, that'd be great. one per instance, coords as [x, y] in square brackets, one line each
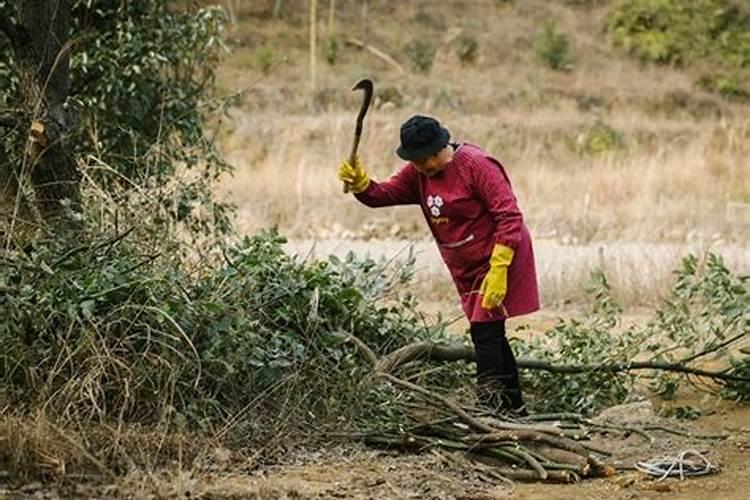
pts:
[469, 205]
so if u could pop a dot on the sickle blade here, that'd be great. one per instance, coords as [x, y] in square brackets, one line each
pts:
[367, 86]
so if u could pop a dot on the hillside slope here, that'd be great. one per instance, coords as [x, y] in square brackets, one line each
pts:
[605, 148]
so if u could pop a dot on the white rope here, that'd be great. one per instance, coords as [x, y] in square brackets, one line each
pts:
[664, 467]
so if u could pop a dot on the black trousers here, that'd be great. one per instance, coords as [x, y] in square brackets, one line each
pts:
[498, 386]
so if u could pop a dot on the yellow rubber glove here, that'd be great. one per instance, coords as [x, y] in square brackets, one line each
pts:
[354, 177]
[495, 283]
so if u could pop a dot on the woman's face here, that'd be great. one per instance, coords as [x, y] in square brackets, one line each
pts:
[435, 163]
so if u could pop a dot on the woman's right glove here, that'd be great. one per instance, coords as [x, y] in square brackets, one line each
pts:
[354, 177]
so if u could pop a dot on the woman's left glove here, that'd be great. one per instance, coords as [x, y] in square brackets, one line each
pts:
[495, 283]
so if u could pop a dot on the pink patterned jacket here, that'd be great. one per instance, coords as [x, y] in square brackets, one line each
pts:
[469, 207]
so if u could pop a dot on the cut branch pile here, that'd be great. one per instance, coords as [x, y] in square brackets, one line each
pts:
[524, 451]
[519, 450]
[549, 447]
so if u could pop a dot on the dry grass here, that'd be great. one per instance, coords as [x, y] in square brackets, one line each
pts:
[37, 445]
[673, 191]
[678, 180]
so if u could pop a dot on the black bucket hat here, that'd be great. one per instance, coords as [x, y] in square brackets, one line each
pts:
[421, 136]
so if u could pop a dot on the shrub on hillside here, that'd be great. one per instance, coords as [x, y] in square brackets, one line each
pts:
[265, 59]
[553, 47]
[713, 32]
[331, 50]
[421, 55]
[678, 32]
[598, 138]
[731, 85]
[467, 48]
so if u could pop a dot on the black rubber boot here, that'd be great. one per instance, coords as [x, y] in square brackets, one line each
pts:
[498, 385]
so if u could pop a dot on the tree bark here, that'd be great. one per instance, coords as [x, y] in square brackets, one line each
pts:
[41, 49]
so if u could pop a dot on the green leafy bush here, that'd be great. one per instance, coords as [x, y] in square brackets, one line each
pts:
[421, 55]
[588, 341]
[265, 59]
[141, 81]
[730, 85]
[738, 390]
[553, 47]
[678, 32]
[108, 329]
[705, 316]
[467, 48]
[599, 138]
[708, 310]
[331, 50]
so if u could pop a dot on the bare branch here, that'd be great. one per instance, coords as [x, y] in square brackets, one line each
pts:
[454, 352]
[376, 52]
[433, 396]
[364, 349]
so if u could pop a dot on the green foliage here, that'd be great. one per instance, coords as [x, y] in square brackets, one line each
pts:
[707, 313]
[707, 307]
[265, 59]
[142, 75]
[588, 341]
[599, 138]
[331, 50]
[114, 329]
[467, 49]
[732, 85]
[142, 78]
[681, 412]
[421, 55]
[738, 390]
[678, 32]
[553, 47]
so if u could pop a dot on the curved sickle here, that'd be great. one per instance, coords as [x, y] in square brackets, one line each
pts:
[367, 87]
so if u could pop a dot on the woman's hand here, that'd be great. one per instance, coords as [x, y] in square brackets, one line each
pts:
[495, 283]
[354, 177]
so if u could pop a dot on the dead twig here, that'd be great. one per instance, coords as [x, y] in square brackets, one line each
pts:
[433, 396]
[374, 51]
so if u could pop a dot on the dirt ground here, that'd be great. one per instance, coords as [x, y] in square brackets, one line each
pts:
[368, 474]
[351, 472]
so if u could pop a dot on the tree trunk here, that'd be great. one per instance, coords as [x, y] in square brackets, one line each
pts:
[42, 52]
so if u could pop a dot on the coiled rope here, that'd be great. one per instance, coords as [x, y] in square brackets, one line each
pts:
[680, 465]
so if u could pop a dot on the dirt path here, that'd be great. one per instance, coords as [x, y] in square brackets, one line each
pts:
[359, 474]
[732, 483]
